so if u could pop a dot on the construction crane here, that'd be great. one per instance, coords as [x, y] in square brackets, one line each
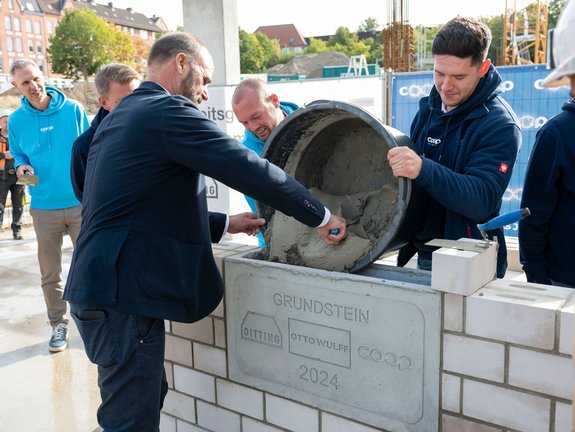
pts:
[525, 33]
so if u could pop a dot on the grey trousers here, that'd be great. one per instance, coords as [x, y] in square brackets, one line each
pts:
[50, 226]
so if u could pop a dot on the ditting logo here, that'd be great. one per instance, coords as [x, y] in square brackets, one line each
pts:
[47, 129]
[434, 141]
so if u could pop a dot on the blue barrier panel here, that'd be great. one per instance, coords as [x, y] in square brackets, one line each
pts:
[521, 88]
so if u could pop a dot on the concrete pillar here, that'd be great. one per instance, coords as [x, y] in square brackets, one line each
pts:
[215, 22]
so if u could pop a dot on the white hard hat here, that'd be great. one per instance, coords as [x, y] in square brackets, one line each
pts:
[562, 48]
[5, 113]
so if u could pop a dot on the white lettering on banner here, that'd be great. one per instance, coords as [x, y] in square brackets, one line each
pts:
[512, 194]
[506, 86]
[47, 129]
[415, 90]
[530, 122]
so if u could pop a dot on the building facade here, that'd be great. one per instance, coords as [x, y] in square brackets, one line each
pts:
[26, 27]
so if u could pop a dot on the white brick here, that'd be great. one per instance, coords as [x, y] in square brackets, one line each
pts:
[210, 359]
[249, 425]
[169, 368]
[291, 415]
[217, 419]
[450, 392]
[220, 333]
[514, 312]
[202, 331]
[219, 310]
[566, 326]
[457, 424]
[453, 312]
[186, 427]
[167, 423]
[505, 407]
[179, 405]
[563, 417]
[541, 372]
[195, 383]
[474, 357]
[240, 398]
[179, 350]
[331, 423]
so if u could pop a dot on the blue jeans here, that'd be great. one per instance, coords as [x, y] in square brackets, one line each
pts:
[129, 352]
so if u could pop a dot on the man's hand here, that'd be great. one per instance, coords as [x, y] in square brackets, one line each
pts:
[404, 162]
[247, 223]
[335, 223]
[24, 169]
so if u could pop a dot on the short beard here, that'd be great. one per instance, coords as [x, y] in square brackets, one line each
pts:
[187, 87]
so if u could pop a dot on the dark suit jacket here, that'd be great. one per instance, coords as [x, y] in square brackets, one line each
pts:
[145, 242]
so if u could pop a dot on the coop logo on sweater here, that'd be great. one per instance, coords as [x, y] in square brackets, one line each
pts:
[47, 129]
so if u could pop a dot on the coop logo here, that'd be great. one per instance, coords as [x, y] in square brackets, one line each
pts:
[433, 141]
[506, 86]
[415, 90]
[46, 129]
[512, 194]
[531, 122]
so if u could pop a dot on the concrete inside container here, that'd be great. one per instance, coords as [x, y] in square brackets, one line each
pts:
[339, 152]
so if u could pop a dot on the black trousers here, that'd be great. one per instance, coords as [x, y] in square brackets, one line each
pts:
[8, 184]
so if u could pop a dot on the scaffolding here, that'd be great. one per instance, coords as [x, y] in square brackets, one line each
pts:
[525, 31]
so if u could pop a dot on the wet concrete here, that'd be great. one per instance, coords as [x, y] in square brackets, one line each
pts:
[39, 391]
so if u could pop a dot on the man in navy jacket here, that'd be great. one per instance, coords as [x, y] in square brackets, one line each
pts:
[547, 237]
[144, 251]
[467, 138]
[113, 82]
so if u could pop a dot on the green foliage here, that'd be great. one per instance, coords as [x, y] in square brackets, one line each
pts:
[83, 42]
[251, 53]
[316, 46]
[555, 9]
[369, 25]
[496, 50]
[348, 43]
[271, 50]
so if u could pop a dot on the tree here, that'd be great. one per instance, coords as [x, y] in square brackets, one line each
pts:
[369, 25]
[555, 8]
[81, 44]
[317, 46]
[251, 53]
[271, 50]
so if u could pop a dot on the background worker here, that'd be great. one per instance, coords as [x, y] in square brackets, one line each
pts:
[467, 140]
[260, 111]
[41, 133]
[113, 82]
[8, 181]
[547, 237]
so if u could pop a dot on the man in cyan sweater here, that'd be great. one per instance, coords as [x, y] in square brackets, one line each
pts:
[547, 237]
[260, 111]
[41, 134]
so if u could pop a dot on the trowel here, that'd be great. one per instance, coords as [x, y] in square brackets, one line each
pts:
[351, 214]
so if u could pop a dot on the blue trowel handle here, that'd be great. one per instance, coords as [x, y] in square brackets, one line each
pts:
[505, 219]
[334, 231]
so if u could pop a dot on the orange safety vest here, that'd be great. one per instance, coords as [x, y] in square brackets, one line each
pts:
[3, 148]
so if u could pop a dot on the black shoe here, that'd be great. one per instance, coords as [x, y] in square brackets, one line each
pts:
[18, 236]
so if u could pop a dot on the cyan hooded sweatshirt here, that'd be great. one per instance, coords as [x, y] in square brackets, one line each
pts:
[43, 139]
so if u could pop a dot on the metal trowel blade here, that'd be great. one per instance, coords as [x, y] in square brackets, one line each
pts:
[348, 211]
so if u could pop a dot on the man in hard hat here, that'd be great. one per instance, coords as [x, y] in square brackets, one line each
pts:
[546, 238]
[467, 139]
[260, 111]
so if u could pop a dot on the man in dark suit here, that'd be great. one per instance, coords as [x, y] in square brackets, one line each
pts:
[144, 251]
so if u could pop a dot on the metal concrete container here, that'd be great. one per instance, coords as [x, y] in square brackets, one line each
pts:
[339, 152]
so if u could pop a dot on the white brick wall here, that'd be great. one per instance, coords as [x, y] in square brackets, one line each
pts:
[291, 415]
[240, 398]
[506, 365]
[541, 372]
[509, 408]
[478, 358]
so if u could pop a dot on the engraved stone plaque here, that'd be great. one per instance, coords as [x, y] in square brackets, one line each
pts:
[358, 346]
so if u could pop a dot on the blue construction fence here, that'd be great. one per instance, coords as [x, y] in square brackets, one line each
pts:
[520, 87]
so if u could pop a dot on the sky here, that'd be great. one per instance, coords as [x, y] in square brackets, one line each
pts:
[323, 17]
